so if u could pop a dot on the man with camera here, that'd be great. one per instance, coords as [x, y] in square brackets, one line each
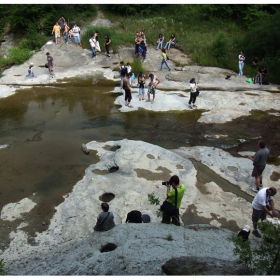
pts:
[171, 205]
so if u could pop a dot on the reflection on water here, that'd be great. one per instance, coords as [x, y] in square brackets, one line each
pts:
[46, 126]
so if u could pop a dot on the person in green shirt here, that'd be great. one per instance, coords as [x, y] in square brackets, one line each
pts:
[171, 197]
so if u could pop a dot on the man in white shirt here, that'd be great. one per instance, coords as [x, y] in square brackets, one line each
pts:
[76, 33]
[260, 207]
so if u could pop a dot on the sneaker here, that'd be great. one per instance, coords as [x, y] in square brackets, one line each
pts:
[194, 106]
[190, 106]
[255, 189]
[256, 233]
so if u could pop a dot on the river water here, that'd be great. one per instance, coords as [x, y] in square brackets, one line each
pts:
[46, 126]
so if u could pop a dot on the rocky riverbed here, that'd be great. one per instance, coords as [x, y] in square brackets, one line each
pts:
[69, 246]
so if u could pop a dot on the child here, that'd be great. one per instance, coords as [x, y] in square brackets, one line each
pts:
[128, 67]
[30, 71]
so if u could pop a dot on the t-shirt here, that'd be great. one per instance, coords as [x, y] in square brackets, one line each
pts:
[192, 85]
[109, 222]
[61, 23]
[241, 56]
[50, 60]
[128, 69]
[92, 42]
[260, 157]
[164, 55]
[261, 199]
[171, 195]
[56, 29]
[76, 31]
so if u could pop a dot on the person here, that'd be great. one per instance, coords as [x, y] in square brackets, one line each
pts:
[154, 81]
[50, 64]
[97, 41]
[105, 220]
[255, 62]
[143, 37]
[92, 42]
[70, 33]
[76, 33]
[164, 60]
[174, 181]
[61, 22]
[107, 44]
[123, 72]
[172, 41]
[141, 85]
[261, 207]
[127, 89]
[260, 76]
[30, 71]
[241, 59]
[143, 46]
[137, 41]
[259, 162]
[128, 70]
[136, 216]
[244, 233]
[160, 41]
[66, 32]
[194, 88]
[56, 31]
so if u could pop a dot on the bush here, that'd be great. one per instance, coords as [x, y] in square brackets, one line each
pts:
[264, 257]
[18, 55]
[2, 270]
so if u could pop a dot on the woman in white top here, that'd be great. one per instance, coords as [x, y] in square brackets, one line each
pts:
[241, 59]
[194, 88]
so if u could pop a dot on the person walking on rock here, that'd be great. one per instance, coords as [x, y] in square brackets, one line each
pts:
[105, 220]
[259, 162]
[92, 42]
[127, 89]
[164, 60]
[194, 88]
[107, 44]
[56, 31]
[154, 81]
[261, 207]
[50, 64]
[66, 32]
[241, 59]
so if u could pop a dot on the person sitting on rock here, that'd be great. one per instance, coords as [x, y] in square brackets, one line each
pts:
[136, 216]
[105, 219]
[260, 76]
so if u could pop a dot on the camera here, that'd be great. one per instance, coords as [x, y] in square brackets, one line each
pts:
[166, 183]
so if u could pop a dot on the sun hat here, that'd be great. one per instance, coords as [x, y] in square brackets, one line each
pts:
[247, 228]
[146, 218]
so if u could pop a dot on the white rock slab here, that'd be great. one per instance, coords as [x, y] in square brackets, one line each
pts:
[13, 211]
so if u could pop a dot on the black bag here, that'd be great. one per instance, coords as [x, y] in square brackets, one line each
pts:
[46, 65]
[134, 216]
[100, 225]
[197, 93]
[123, 71]
[167, 58]
[168, 208]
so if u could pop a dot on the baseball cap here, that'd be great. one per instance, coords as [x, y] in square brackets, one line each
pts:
[146, 218]
[247, 228]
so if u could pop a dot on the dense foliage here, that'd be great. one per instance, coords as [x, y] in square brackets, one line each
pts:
[264, 257]
[211, 35]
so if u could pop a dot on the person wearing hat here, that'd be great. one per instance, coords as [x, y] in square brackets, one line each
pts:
[30, 71]
[244, 233]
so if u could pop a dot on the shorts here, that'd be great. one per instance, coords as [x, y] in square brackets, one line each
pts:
[77, 39]
[151, 89]
[258, 170]
[257, 215]
[57, 35]
[141, 91]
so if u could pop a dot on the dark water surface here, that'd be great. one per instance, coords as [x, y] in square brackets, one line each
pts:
[46, 126]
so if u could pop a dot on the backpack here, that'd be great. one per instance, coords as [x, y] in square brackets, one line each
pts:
[134, 216]
[123, 71]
